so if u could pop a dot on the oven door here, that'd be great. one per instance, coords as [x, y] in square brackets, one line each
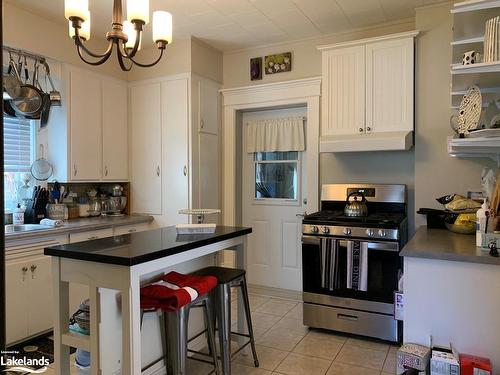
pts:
[327, 274]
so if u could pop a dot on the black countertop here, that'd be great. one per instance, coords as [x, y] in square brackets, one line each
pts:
[141, 247]
[441, 244]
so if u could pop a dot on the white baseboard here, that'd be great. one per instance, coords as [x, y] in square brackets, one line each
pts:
[275, 292]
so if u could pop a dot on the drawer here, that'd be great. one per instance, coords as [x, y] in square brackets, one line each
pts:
[90, 235]
[358, 322]
[125, 229]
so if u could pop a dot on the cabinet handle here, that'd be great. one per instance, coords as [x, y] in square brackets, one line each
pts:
[75, 170]
[185, 171]
[24, 269]
[93, 238]
[33, 269]
[368, 129]
[202, 123]
[158, 171]
[132, 230]
[105, 170]
[361, 130]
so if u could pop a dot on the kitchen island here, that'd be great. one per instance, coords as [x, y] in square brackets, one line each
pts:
[452, 293]
[122, 264]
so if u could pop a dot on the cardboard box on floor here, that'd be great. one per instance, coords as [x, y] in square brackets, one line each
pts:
[444, 362]
[413, 356]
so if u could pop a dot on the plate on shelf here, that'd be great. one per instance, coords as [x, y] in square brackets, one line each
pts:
[469, 111]
[484, 133]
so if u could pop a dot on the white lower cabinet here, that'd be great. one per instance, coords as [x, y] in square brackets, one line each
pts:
[126, 229]
[90, 235]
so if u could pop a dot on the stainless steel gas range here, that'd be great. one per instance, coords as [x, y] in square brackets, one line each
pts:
[351, 265]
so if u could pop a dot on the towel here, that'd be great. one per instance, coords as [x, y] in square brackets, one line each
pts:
[329, 258]
[51, 223]
[175, 290]
[357, 265]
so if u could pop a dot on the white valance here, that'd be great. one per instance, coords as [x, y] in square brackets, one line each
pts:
[278, 134]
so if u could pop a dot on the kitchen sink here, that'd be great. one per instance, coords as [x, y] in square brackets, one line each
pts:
[15, 228]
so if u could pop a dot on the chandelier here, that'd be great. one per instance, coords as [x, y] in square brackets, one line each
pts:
[126, 35]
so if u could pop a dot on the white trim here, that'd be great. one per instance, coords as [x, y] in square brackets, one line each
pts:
[473, 5]
[271, 95]
[165, 78]
[275, 292]
[358, 42]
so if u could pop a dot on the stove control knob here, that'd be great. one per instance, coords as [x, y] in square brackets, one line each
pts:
[326, 230]
[382, 233]
[369, 232]
[314, 229]
[347, 231]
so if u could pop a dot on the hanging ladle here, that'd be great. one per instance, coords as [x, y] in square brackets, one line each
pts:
[55, 96]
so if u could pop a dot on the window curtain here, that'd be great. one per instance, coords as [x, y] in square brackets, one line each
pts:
[279, 134]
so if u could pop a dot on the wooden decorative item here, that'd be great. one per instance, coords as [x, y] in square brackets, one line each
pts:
[278, 63]
[470, 110]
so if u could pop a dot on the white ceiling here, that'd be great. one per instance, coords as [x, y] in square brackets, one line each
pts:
[235, 24]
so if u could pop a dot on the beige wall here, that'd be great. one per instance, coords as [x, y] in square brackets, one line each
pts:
[436, 173]
[206, 61]
[306, 59]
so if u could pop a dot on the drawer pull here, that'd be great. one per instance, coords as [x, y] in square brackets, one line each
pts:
[93, 238]
[347, 317]
[132, 230]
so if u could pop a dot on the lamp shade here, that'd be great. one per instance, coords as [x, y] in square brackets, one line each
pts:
[84, 31]
[162, 26]
[76, 8]
[129, 29]
[138, 10]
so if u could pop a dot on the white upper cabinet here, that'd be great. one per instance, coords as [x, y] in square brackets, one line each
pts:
[146, 153]
[114, 131]
[389, 86]
[344, 91]
[368, 94]
[85, 126]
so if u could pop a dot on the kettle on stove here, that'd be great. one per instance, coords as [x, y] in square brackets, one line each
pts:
[355, 207]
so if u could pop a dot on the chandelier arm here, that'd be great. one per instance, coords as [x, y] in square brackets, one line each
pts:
[95, 63]
[136, 45]
[79, 43]
[151, 64]
[120, 60]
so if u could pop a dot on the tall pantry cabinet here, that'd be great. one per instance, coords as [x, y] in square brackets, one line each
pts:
[174, 133]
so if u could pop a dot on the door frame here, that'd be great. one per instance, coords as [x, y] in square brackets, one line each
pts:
[269, 96]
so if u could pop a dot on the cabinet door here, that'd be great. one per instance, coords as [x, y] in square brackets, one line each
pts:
[344, 91]
[114, 131]
[85, 126]
[16, 302]
[90, 235]
[175, 116]
[209, 107]
[389, 86]
[40, 311]
[133, 228]
[146, 136]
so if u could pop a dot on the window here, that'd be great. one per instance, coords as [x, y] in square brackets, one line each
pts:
[18, 155]
[276, 175]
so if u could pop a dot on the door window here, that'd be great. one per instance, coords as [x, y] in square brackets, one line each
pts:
[277, 175]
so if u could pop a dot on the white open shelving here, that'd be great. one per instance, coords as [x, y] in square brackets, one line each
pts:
[469, 18]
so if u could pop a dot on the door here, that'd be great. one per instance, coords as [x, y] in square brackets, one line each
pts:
[146, 155]
[85, 129]
[40, 307]
[114, 131]
[175, 125]
[209, 107]
[273, 194]
[389, 86]
[16, 306]
[344, 91]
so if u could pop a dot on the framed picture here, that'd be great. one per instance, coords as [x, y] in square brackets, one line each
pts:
[256, 68]
[279, 63]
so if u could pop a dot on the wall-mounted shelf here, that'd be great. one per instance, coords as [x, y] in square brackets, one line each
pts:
[474, 5]
[480, 147]
[473, 40]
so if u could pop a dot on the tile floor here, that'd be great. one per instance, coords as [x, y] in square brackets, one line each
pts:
[285, 346]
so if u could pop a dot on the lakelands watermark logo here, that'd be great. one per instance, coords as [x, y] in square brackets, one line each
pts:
[15, 363]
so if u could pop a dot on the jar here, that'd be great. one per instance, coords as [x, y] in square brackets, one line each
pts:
[57, 211]
[73, 211]
[83, 209]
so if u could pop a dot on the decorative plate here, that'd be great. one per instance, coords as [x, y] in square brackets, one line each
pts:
[469, 112]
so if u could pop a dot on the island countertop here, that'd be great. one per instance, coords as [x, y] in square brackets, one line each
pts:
[135, 248]
[441, 244]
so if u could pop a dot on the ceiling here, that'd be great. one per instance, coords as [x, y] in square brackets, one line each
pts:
[235, 24]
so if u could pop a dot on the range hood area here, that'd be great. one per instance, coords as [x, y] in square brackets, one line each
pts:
[387, 141]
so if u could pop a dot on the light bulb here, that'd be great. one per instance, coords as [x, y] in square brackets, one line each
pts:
[84, 31]
[162, 26]
[76, 8]
[129, 29]
[138, 10]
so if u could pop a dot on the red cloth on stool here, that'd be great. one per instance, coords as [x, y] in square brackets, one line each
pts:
[175, 290]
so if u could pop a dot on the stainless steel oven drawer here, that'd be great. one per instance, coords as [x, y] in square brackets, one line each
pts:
[351, 321]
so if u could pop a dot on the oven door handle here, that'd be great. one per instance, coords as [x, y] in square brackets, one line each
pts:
[384, 246]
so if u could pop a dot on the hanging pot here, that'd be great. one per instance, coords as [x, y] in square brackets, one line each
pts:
[355, 207]
[30, 102]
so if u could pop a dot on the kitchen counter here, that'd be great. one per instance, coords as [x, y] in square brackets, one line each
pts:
[441, 244]
[136, 248]
[82, 224]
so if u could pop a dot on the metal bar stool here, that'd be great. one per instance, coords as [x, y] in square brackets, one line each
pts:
[175, 335]
[228, 278]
